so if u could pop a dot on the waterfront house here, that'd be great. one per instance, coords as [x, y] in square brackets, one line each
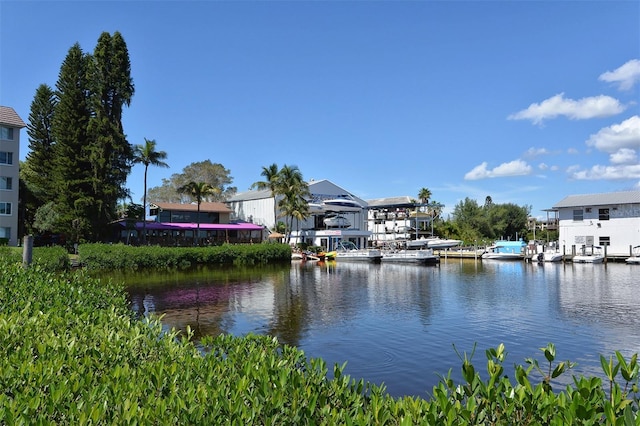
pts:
[10, 125]
[176, 224]
[610, 220]
[334, 215]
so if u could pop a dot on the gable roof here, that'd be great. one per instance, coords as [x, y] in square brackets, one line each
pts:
[319, 189]
[607, 198]
[402, 201]
[251, 195]
[9, 117]
[204, 207]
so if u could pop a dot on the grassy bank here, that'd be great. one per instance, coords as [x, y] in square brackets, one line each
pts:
[120, 256]
[71, 352]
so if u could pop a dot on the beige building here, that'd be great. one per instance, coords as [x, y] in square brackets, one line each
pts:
[10, 125]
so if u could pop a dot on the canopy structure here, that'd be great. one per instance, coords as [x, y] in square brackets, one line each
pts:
[184, 233]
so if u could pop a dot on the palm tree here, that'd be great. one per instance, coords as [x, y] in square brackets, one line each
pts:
[295, 191]
[424, 194]
[488, 202]
[271, 175]
[146, 154]
[198, 191]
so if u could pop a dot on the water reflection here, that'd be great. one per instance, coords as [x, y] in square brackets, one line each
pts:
[397, 323]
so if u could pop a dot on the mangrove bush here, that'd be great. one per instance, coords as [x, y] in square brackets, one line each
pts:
[72, 352]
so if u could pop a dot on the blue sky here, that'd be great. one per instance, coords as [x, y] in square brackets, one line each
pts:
[526, 101]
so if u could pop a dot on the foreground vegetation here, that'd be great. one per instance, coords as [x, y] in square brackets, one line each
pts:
[71, 352]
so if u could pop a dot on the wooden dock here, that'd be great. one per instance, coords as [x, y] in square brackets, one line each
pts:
[460, 253]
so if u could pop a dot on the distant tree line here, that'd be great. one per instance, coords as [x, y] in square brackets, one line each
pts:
[471, 221]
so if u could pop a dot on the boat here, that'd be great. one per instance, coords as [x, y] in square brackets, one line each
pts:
[433, 243]
[342, 204]
[304, 256]
[589, 256]
[635, 258]
[505, 250]
[336, 222]
[315, 208]
[420, 215]
[403, 229]
[424, 256]
[330, 255]
[347, 250]
[549, 256]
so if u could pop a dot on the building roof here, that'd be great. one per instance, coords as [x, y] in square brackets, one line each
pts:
[251, 195]
[188, 226]
[320, 190]
[9, 117]
[204, 207]
[604, 199]
[403, 201]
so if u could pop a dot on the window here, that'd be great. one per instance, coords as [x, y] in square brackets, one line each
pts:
[5, 232]
[578, 215]
[6, 157]
[5, 209]
[5, 183]
[603, 214]
[6, 133]
[604, 241]
[588, 209]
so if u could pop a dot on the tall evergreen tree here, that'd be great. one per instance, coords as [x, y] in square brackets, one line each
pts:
[111, 155]
[41, 144]
[72, 176]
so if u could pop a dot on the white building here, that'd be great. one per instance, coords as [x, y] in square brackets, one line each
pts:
[10, 125]
[328, 224]
[610, 220]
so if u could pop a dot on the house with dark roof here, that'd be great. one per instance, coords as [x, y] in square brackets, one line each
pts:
[176, 224]
[10, 125]
[609, 220]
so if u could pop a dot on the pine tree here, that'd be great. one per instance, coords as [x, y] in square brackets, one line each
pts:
[110, 153]
[71, 164]
[41, 144]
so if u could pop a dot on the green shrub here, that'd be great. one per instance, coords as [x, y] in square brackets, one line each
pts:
[120, 256]
[71, 352]
[55, 258]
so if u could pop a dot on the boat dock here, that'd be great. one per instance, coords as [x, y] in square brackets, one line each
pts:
[460, 253]
[529, 255]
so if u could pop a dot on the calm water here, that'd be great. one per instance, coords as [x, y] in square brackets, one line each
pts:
[397, 324]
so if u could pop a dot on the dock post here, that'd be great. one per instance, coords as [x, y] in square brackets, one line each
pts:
[27, 250]
[605, 253]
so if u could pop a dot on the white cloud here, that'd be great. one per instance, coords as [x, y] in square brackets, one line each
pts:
[582, 109]
[534, 152]
[543, 166]
[615, 172]
[624, 156]
[626, 76]
[618, 136]
[572, 151]
[512, 168]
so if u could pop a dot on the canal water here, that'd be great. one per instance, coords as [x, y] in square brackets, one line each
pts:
[399, 324]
